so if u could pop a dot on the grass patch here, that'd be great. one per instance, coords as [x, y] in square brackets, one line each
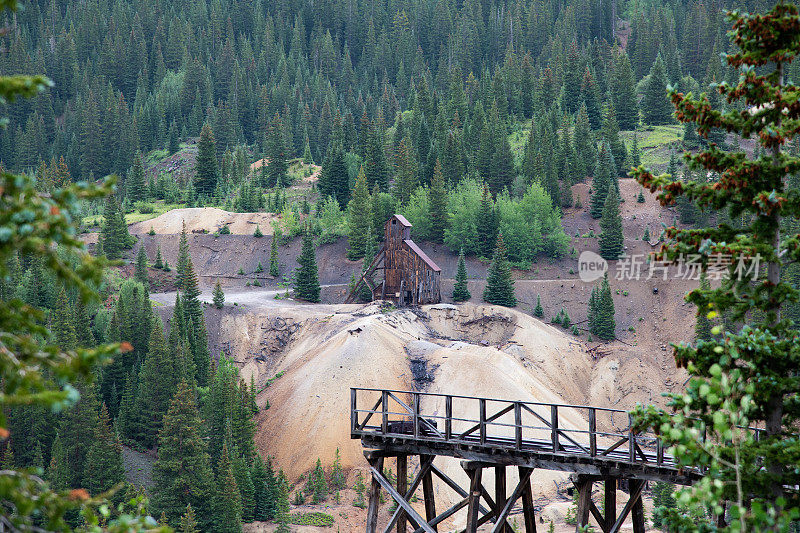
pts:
[311, 519]
[655, 143]
[159, 208]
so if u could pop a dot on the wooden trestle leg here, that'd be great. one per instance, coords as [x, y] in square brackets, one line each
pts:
[402, 482]
[374, 496]
[474, 499]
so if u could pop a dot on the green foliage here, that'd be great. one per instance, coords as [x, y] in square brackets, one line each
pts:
[227, 502]
[332, 220]
[274, 266]
[663, 501]
[359, 218]
[312, 519]
[601, 311]
[205, 170]
[499, 282]
[460, 291]
[141, 274]
[306, 278]
[611, 240]
[655, 105]
[275, 152]
[745, 377]
[218, 296]
[538, 311]
[338, 478]
[257, 233]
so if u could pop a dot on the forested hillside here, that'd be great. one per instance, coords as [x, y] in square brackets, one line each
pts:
[139, 75]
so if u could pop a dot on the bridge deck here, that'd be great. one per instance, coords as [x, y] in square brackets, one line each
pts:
[574, 438]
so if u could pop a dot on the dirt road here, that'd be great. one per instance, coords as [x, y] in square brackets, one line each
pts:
[254, 297]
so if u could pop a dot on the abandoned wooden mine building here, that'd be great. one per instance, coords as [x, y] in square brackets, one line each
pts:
[410, 277]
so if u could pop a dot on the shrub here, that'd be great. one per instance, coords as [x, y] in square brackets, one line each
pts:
[259, 268]
[311, 519]
[145, 208]
[225, 230]
[152, 231]
[241, 271]
[257, 233]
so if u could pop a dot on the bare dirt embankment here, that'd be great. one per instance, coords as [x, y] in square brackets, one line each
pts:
[205, 220]
[320, 351]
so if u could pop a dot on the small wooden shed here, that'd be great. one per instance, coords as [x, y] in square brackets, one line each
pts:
[410, 277]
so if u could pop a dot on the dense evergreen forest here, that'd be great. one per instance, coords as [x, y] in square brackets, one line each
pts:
[133, 76]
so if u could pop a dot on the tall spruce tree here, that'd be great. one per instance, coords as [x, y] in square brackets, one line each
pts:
[655, 105]
[437, 195]
[487, 224]
[747, 376]
[205, 169]
[137, 188]
[227, 503]
[601, 312]
[624, 93]
[334, 179]
[359, 218]
[104, 460]
[306, 279]
[274, 266]
[499, 282]
[219, 296]
[460, 291]
[140, 273]
[603, 181]
[275, 152]
[611, 240]
[182, 473]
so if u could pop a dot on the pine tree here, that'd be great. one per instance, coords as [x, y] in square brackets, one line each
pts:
[63, 323]
[338, 478]
[227, 504]
[275, 151]
[320, 486]
[282, 505]
[205, 170]
[334, 179]
[405, 173]
[244, 482]
[188, 522]
[141, 268]
[114, 235]
[584, 146]
[104, 460]
[438, 204]
[603, 323]
[624, 93]
[137, 189]
[219, 296]
[174, 141]
[702, 328]
[157, 382]
[611, 240]
[538, 311]
[274, 267]
[499, 282]
[306, 282]
[604, 180]
[359, 218]
[365, 293]
[181, 474]
[646, 236]
[487, 224]
[655, 105]
[460, 291]
[640, 197]
[159, 264]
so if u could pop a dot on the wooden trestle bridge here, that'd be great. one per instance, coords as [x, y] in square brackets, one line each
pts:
[595, 444]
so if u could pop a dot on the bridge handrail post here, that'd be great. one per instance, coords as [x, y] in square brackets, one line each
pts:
[554, 427]
[385, 412]
[353, 411]
[592, 432]
[659, 451]
[518, 425]
[415, 416]
[482, 421]
[631, 440]
[448, 417]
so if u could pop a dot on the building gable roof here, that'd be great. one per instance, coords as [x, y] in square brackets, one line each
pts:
[422, 255]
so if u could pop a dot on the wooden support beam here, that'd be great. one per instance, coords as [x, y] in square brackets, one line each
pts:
[412, 513]
[474, 499]
[453, 485]
[499, 493]
[501, 523]
[402, 486]
[427, 492]
[445, 515]
[596, 514]
[376, 465]
[635, 494]
[527, 501]
[425, 464]
[610, 504]
[637, 513]
[584, 488]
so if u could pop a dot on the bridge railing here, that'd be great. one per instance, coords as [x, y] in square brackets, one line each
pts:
[562, 429]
